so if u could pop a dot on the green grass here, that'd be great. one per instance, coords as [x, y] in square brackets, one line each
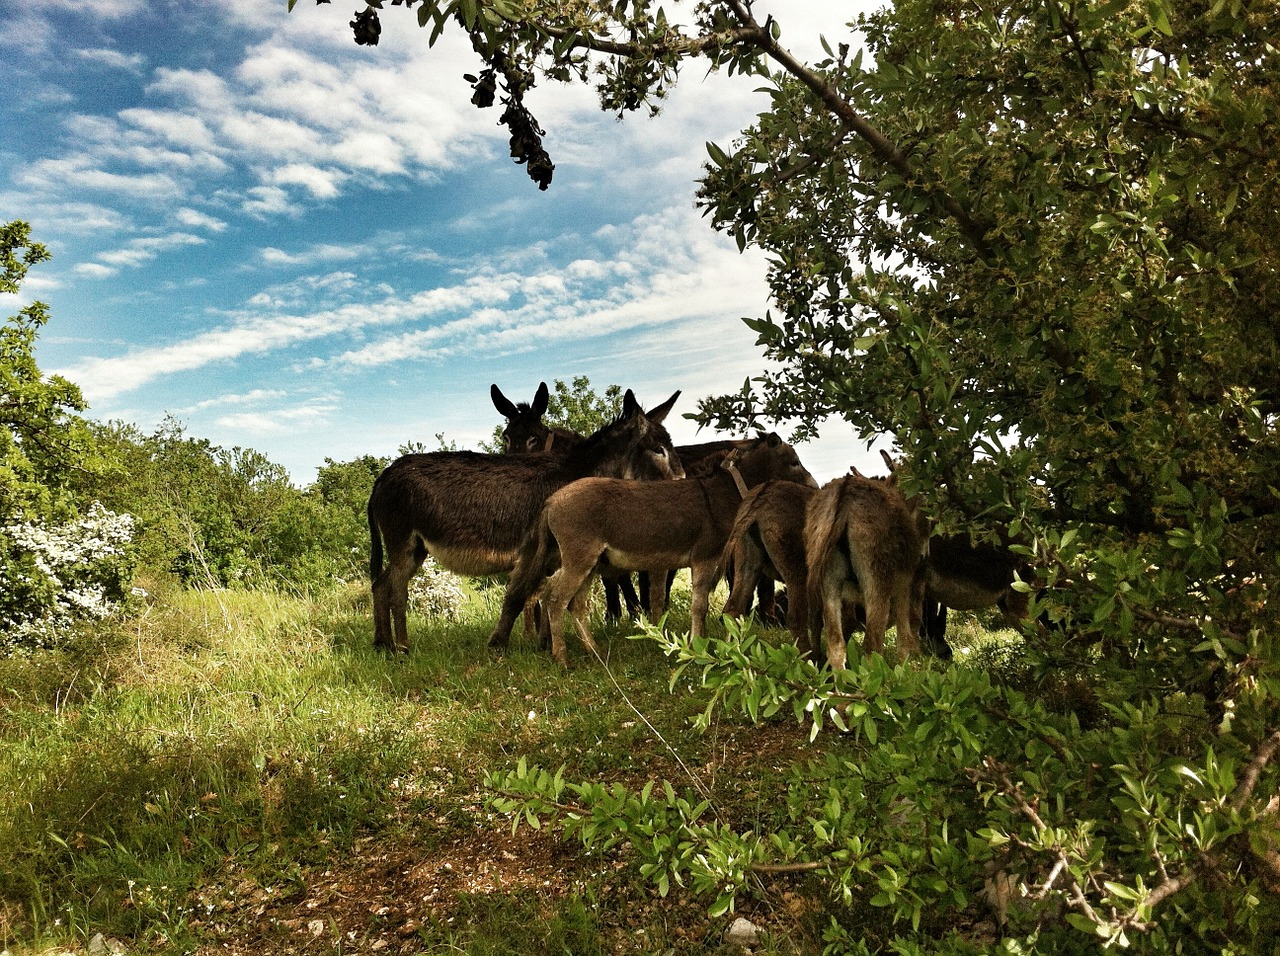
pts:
[230, 768]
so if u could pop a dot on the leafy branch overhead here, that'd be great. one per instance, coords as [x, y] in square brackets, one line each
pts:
[639, 55]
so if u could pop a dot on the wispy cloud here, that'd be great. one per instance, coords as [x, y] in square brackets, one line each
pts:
[247, 398]
[130, 62]
[276, 421]
[199, 220]
[662, 262]
[136, 253]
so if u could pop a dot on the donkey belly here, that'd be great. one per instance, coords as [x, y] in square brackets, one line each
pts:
[474, 560]
[961, 593]
[625, 560]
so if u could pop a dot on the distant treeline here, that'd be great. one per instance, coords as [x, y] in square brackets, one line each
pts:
[212, 516]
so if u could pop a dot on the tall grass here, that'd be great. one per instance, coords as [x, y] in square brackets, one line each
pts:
[163, 782]
[245, 735]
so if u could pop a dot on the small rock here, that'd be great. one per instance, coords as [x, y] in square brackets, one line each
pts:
[100, 945]
[742, 932]
[316, 926]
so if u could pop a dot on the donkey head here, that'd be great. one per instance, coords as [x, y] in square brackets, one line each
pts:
[525, 431]
[768, 458]
[634, 445]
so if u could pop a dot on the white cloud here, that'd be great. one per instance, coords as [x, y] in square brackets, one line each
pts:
[321, 183]
[131, 62]
[247, 398]
[146, 248]
[170, 126]
[267, 201]
[281, 420]
[101, 9]
[51, 177]
[199, 220]
[312, 256]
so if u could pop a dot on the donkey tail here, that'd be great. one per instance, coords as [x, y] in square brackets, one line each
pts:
[824, 528]
[744, 524]
[375, 544]
[539, 557]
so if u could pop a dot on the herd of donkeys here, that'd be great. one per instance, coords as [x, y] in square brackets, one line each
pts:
[558, 508]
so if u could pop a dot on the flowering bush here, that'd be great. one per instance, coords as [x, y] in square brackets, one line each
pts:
[436, 592]
[53, 577]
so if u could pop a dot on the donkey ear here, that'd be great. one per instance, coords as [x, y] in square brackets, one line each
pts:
[629, 404]
[773, 439]
[656, 415]
[540, 400]
[888, 461]
[502, 403]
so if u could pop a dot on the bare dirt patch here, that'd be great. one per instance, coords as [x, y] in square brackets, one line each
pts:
[385, 893]
[388, 895]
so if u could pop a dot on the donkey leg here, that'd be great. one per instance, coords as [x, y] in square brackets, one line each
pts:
[906, 625]
[933, 629]
[705, 576]
[877, 607]
[530, 615]
[798, 615]
[657, 595]
[561, 589]
[399, 610]
[382, 639]
[580, 608]
[513, 604]
[612, 584]
[766, 602]
[635, 607]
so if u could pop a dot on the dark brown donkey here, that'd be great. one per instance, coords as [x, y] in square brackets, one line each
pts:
[651, 526]
[968, 577]
[526, 431]
[864, 542]
[470, 511]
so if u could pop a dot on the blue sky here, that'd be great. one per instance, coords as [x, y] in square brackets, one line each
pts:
[318, 250]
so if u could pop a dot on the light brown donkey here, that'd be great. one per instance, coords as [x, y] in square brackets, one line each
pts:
[599, 523]
[864, 542]
[767, 540]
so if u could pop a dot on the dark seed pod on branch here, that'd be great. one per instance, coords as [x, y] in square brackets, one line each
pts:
[526, 143]
[367, 27]
[484, 88]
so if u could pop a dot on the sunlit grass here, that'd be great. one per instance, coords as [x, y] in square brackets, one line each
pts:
[230, 743]
[228, 730]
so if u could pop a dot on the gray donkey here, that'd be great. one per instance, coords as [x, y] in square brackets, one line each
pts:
[600, 523]
[470, 511]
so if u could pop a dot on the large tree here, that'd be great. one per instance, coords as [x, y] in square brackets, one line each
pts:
[1035, 241]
